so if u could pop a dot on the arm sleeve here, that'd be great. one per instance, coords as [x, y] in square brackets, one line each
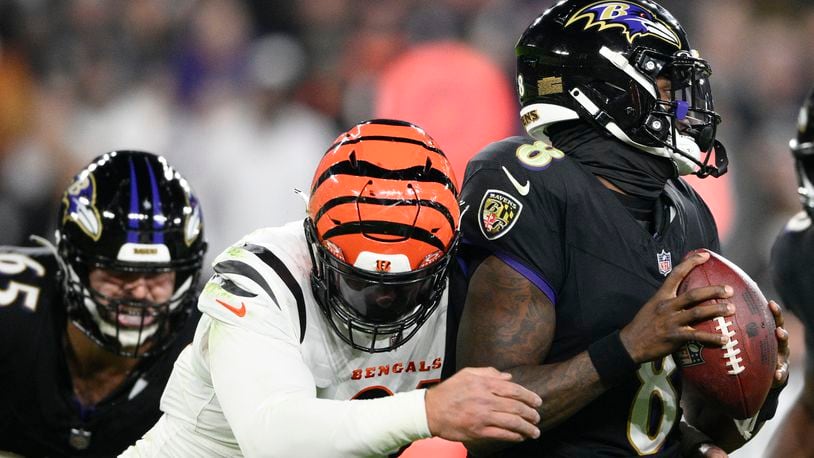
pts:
[269, 398]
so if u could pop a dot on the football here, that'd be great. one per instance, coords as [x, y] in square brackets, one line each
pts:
[738, 375]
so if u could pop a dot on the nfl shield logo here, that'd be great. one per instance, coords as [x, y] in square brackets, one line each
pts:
[665, 262]
[690, 354]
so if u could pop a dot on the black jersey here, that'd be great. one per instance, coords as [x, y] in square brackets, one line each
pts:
[39, 414]
[794, 281]
[554, 222]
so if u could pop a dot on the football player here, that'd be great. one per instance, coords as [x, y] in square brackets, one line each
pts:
[795, 284]
[89, 329]
[575, 244]
[319, 338]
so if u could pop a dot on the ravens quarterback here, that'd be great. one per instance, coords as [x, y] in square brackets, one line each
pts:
[320, 338]
[795, 285]
[576, 243]
[89, 329]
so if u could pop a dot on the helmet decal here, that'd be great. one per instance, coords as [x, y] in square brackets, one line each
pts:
[634, 21]
[80, 206]
[158, 214]
[135, 216]
[192, 226]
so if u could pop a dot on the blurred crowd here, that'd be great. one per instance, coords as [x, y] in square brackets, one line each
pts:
[244, 96]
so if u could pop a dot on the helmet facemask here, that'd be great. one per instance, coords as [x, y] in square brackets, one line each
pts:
[127, 326]
[374, 311]
[689, 116]
[682, 128]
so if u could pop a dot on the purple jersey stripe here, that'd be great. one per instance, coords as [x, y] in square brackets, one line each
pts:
[158, 223]
[530, 275]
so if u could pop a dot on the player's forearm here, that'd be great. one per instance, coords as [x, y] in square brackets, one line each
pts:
[565, 387]
[322, 427]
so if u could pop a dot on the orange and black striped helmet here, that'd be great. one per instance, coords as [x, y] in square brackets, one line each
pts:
[382, 222]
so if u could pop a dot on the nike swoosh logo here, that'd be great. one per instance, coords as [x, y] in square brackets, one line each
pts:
[237, 311]
[522, 189]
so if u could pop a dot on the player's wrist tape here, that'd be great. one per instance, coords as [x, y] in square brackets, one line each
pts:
[769, 407]
[611, 359]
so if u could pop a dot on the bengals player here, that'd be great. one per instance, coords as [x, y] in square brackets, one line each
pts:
[321, 337]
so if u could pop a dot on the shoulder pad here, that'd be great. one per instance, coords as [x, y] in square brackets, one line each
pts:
[253, 287]
[24, 274]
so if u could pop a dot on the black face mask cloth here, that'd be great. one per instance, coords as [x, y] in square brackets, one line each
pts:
[635, 172]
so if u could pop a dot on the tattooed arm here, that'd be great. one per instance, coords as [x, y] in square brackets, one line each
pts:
[508, 323]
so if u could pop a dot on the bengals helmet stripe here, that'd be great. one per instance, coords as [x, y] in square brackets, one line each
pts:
[382, 225]
[369, 200]
[367, 169]
[389, 139]
[372, 228]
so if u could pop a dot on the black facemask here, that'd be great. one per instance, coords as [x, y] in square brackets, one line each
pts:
[635, 172]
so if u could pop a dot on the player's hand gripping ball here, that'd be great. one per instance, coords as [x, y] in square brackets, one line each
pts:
[736, 376]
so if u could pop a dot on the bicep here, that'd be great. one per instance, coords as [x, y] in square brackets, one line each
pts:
[253, 373]
[507, 320]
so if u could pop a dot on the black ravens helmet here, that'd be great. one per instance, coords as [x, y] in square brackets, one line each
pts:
[130, 212]
[604, 62]
[802, 148]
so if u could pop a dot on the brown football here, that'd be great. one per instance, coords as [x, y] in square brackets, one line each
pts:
[738, 375]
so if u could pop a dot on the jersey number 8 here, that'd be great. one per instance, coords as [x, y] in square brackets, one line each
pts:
[645, 433]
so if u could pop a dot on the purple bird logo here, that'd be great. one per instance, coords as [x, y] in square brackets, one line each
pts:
[80, 205]
[634, 20]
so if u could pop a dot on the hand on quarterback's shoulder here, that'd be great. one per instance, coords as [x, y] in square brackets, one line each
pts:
[482, 403]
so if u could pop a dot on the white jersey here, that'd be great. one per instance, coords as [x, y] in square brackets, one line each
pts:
[265, 365]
